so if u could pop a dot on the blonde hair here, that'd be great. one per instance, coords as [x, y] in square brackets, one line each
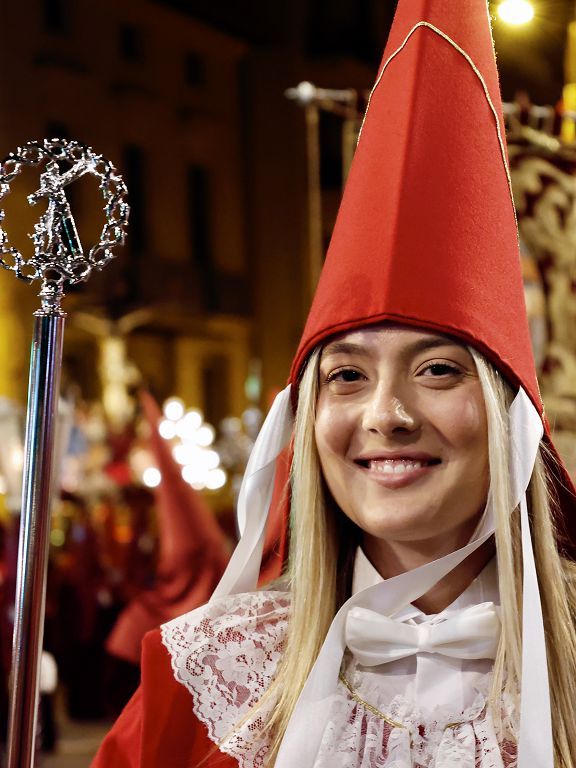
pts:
[556, 576]
[322, 547]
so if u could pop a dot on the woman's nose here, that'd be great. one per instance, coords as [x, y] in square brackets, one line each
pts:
[387, 413]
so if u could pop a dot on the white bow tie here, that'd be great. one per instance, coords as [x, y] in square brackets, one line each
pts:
[374, 639]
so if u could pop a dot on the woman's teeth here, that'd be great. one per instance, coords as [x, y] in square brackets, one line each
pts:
[395, 466]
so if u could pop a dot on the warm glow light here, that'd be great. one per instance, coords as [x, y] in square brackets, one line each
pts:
[123, 533]
[204, 436]
[173, 408]
[194, 475]
[151, 477]
[216, 479]
[188, 424]
[17, 458]
[57, 537]
[516, 12]
[167, 429]
[187, 454]
[140, 459]
[180, 454]
[210, 459]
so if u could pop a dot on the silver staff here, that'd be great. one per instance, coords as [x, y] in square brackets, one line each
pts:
[58, 258]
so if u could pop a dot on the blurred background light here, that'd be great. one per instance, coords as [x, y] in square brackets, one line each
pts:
[189, 424]
[211, 459]
[194, 475]
[173, 408]
[167, 429]
[516, 12]
[205, 435]
[151, 477]
[216, 479]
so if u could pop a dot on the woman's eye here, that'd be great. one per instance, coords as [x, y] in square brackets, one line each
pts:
[441, 369]
[344, 376]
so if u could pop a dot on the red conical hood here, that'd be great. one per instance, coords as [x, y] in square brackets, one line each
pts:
[426, 234]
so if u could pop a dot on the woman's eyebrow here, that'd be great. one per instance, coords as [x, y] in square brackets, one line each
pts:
[344, 347]
[420, 345]
[433, 342]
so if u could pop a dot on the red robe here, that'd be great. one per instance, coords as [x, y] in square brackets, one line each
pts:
[158, 728]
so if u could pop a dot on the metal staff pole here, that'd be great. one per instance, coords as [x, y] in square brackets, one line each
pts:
[58, 258]
[43, 388]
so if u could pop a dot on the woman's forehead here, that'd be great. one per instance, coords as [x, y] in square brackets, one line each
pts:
[363, 339]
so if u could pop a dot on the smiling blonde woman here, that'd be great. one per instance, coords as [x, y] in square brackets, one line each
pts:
[426, 615]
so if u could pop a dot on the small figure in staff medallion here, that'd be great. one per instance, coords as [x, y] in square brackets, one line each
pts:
[58, 253]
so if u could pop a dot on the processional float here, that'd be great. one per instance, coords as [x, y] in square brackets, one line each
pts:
[58, 258]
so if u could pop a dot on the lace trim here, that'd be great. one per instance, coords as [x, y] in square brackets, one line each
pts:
[226, 655]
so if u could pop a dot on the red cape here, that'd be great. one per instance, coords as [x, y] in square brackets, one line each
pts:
[158, 728]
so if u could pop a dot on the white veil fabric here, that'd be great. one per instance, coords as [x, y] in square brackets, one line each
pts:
[254, 499]
[302, 738]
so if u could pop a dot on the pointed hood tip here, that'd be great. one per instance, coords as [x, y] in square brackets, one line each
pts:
[434, 210]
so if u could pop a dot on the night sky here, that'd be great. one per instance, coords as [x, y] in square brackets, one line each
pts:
[530, 58]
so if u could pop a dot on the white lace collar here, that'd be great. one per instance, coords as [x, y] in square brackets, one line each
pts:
[226, 654]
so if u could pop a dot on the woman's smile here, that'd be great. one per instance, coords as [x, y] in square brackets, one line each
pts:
[398, 470]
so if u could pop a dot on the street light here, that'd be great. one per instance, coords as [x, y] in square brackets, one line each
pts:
[313, 100]
[516, 12]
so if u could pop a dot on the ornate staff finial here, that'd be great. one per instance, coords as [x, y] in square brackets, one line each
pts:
[58, 254]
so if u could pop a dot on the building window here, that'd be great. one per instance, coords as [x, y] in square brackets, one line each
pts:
[131, 42]
[194, 70]
[133, 168]
[56, 15]
[199, 206]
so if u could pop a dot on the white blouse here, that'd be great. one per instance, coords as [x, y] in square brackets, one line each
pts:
[422, 711]
[431, 679]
